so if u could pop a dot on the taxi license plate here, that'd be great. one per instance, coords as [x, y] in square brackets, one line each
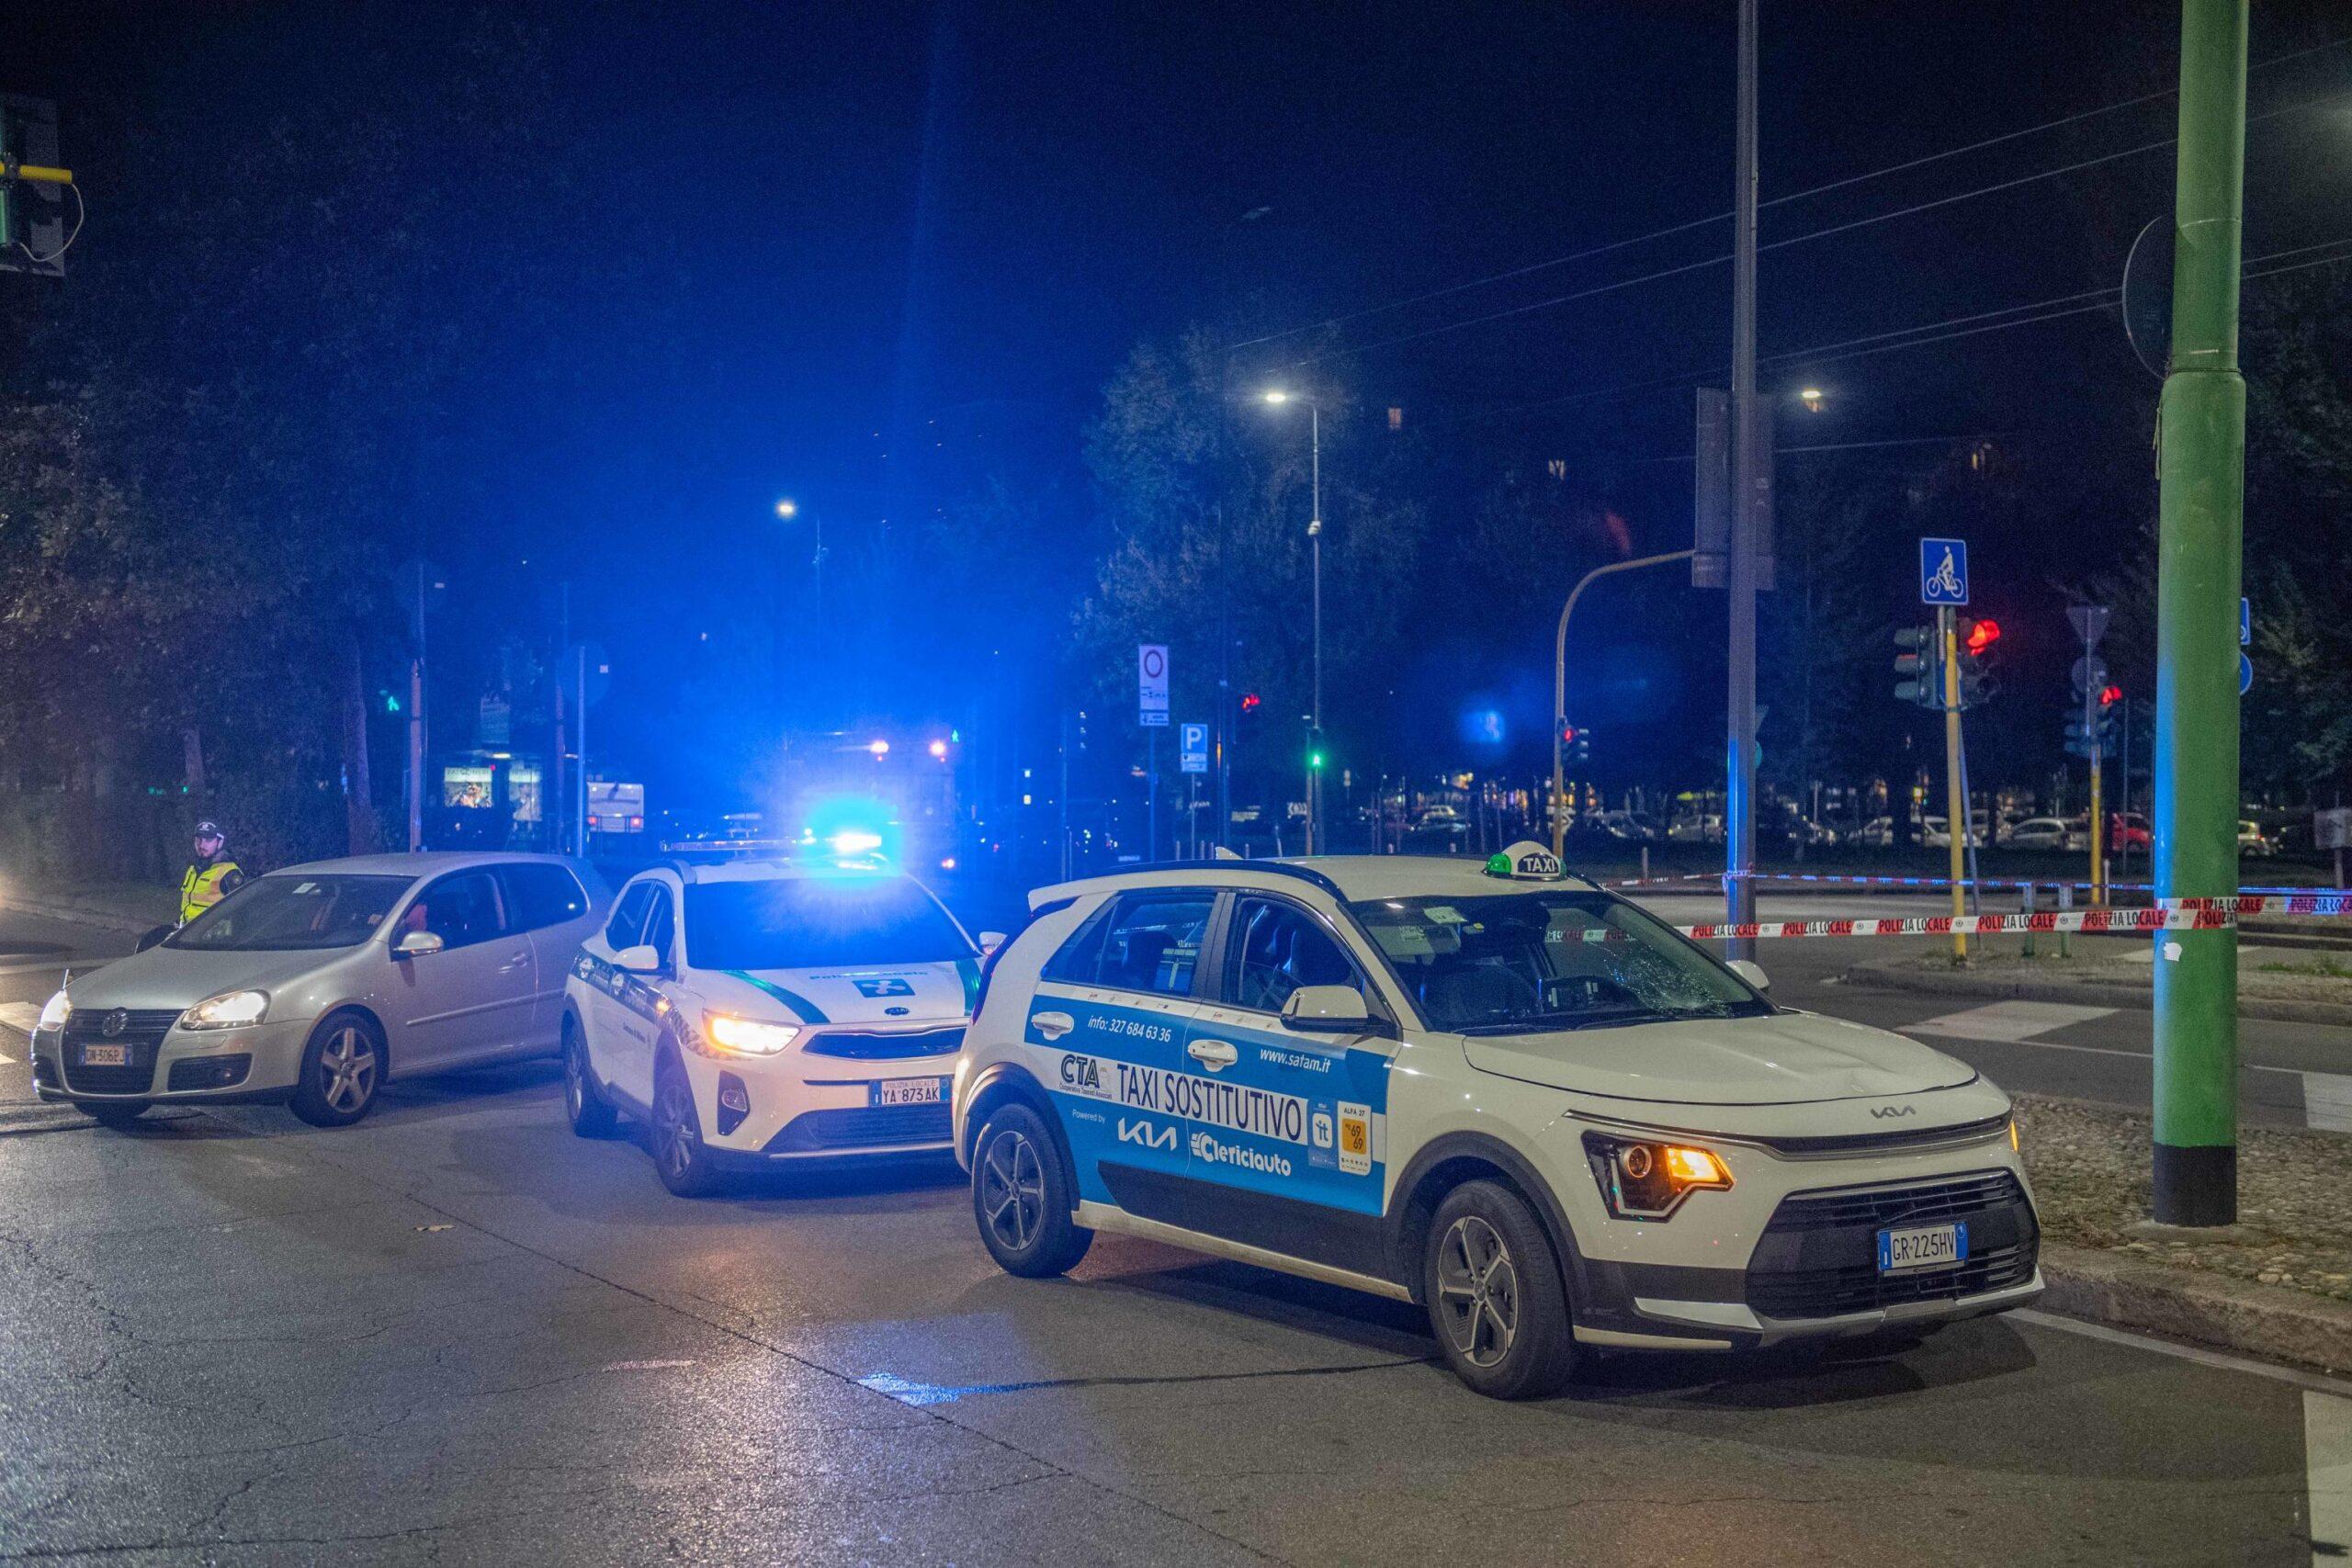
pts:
[1911, 1248]
[908, 1092]
[106, 1055]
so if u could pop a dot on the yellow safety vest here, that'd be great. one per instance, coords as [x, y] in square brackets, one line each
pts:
[201, 888]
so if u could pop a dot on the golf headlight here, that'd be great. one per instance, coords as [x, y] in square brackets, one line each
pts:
[747, 1036]
[1643, 1179]
[230, 1010]
[53, 1011]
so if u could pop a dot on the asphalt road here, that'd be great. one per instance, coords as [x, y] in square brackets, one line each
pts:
[457, 1333]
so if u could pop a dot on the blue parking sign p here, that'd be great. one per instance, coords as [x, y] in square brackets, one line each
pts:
[1943, 571]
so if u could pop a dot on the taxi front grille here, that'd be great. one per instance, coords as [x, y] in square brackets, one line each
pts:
[1818, 1256]
[1922, 1203]
[1832, 1293]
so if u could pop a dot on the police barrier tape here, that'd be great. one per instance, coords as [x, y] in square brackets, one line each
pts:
[2268, 904]
[2092, 920]
[1834, 879]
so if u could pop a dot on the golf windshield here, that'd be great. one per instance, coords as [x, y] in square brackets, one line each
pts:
[1525, 963]
[291, 911]
[818, 923]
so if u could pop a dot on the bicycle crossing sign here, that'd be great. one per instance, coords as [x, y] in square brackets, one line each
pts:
[1943, 571]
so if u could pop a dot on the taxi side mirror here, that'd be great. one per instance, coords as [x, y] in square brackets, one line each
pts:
[414, 944]
[1752, 972]
[991, 942]
[1326, 1010]
[642, 959]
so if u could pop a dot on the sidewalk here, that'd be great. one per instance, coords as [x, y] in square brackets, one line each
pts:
[2278, 1284]
[2281, 984]
[132, 908]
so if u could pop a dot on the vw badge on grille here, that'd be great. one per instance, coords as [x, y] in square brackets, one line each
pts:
[114, 1024]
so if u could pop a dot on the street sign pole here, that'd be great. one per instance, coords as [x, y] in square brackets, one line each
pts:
[2201, 488]
[1955, 800]
[1739, 773]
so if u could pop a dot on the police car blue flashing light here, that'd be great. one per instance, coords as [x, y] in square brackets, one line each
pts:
[1515, 1099]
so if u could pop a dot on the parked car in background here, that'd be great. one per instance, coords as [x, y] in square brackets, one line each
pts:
[1878, 832]
[1935, 832]
[2252, 841]
[2047, 833]
[2129, 830]
[316, 984]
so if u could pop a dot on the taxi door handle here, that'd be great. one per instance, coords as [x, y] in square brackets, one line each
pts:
[516, 961]
[1214, 1054]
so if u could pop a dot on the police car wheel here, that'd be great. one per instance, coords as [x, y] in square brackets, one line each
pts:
[585, 1105]
[1020, 1197]
[680, 1157]
[342, 1066]
[1495, 1299]
[109, 1115]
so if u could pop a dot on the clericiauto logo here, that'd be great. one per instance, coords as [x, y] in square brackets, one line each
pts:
[1214, 1151]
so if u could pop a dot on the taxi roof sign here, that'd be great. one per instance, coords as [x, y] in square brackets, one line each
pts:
[1526, 860]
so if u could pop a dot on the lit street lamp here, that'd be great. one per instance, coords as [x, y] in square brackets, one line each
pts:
[1277, 397]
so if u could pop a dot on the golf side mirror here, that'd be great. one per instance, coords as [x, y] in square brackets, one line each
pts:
[414, 944]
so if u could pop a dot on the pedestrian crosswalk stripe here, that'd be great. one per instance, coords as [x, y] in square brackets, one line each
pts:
[2327, 1102]
[2327, 1471]
[2009, 1021]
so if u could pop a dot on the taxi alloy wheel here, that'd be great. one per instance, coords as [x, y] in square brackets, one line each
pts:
[1478, 1289]
[1013, 1189]
[342, 1068]
[679, 1157]
[1497, 1299]
[1020, 1196]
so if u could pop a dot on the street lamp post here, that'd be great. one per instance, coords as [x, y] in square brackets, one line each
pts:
[1314, 834]
[1560, 685]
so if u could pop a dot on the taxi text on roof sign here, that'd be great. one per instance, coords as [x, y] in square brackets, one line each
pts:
[1526, 860]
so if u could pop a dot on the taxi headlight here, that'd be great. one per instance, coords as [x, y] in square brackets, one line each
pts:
[230, 1010]
[53, 1011]
[747, 1036]
[1643, 1178]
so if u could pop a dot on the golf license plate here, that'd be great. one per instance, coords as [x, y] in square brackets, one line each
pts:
[106, 1055]
[908, 1092]
[1907, 1250]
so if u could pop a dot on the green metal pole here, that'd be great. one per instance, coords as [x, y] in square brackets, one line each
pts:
[2202, 473]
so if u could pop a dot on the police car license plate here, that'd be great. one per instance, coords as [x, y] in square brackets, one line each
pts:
[106, 1055]
[907, 1092]
[1917, 1247]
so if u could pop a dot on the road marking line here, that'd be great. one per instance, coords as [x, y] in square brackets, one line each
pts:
[2327, 1102]
[2327, 1468]
[2221, 1361]
[2113, 1051]
[2013, 1021]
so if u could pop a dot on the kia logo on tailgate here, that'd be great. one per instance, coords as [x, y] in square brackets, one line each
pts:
[1885, 1110]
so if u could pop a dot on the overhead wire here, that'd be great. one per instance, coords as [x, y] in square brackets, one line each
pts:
[1662, 273]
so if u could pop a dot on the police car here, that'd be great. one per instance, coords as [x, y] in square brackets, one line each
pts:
[1495, 1090]
[767, 1011]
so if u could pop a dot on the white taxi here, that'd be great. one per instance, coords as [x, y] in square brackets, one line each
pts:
[1512, 1097]
[768, 1011]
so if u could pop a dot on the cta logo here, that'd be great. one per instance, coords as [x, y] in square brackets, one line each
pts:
[1210, 1150]
[1148, 1135]
[1081, 1075]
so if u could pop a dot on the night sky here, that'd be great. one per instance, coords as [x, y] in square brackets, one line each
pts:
[847, 238]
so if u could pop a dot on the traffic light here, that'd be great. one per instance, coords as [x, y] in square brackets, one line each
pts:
[1919, 664]
[2101, 718]
[1250, 701]
[1576, 742]
[1976, 641]
[1317, 754]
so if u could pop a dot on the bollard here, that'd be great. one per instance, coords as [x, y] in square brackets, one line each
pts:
[2066, 902]
[1645, 863]
[2025, 902]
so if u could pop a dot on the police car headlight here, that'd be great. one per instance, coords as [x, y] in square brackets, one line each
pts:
[1644, 1179]
[230, 1010]
[747, 1036]
[53, 1011]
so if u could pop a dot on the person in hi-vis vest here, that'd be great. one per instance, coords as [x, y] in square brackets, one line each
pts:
[212, 876]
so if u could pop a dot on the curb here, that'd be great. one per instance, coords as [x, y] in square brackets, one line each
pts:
[2231, 1315]
[96, 917]
[1888, 975]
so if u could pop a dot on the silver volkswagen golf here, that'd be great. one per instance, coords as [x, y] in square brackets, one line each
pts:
[316, 984]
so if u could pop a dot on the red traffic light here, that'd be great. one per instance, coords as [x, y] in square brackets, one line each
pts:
[1983, 635]
[1249, 701]
[2109, 695]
